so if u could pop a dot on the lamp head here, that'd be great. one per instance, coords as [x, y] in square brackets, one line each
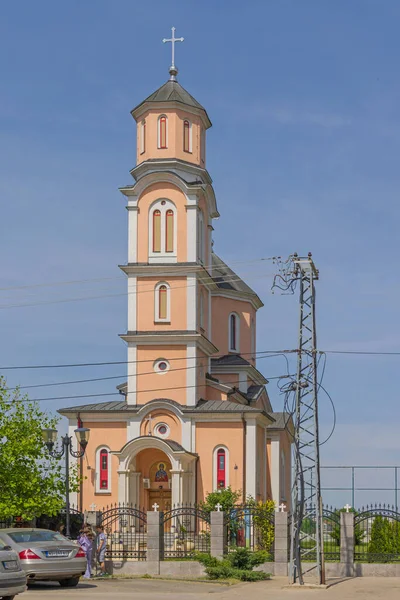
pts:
[82, 435]
[49, 436]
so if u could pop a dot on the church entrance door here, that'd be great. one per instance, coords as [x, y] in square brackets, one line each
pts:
[160, 497]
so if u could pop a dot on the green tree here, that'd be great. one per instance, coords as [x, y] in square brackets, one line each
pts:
[227, 498]
[263, 514]
[32, 482]
[380, 542]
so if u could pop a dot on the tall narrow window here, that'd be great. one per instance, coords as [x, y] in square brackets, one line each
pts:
[162, 302]
[103, 469]
[157, 231]
[187, 131]
[221, 469]
[162, 132]
[142, 137]
[234, 323]
[169, 231]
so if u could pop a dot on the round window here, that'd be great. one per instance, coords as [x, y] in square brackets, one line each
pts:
[161, 366]
[162, 430]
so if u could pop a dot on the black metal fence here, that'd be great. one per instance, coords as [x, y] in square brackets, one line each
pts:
[330, 535]
[186, 531]
[377, 534]
[251, 527]
[125, 526]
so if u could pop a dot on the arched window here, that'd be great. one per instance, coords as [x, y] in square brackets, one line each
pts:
[187, 136]
[220, 468]
[162, 303]
[162, 132]
[169, 231]
[201, 309]
[253, 336]
[103, 470]
[234, 332]
[157, 231]
[142, 137]
[200, 244]
[162, 231]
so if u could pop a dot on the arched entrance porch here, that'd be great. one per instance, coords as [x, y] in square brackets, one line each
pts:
[155, 470]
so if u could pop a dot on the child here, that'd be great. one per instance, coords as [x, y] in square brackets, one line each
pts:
[101, 549]
[85, 540]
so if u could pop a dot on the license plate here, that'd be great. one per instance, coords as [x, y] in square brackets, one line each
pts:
[10, 565]
[57, 553]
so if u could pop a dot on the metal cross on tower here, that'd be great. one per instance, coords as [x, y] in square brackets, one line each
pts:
[306, 523]
[173, 39]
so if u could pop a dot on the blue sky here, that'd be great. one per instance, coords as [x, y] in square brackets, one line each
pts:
[304, 100]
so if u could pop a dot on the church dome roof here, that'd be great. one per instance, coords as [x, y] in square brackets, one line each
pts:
[172, 91]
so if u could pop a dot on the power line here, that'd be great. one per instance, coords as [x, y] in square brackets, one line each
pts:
[183, 387]
[177, 269]
[225, 279]
[125, 376]
[128, 362]
[361, 352]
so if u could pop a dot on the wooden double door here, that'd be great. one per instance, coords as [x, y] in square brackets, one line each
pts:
[160, 497]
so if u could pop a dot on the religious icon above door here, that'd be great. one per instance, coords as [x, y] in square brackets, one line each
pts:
[159, 472]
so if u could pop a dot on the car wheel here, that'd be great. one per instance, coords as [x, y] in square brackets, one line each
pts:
[71, 582]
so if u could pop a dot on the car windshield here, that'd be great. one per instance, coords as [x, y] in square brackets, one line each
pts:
[20, 537]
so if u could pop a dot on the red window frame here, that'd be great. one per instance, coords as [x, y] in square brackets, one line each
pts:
[163, 132]
[221, 469]
[186, 136]
[104, 469]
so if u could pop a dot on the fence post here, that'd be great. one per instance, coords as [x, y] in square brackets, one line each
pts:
[347, 543]
[281, 543]
[155, 541]
[218, 546]
[92, 517]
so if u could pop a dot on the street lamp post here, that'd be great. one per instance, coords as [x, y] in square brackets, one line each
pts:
[50, 438]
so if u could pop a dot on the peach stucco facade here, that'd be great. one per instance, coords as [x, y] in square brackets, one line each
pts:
[194, 413]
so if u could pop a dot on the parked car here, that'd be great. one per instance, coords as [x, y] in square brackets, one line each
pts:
[12, 576]
[46, 555]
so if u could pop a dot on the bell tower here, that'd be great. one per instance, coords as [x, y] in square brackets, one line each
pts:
[171, 205]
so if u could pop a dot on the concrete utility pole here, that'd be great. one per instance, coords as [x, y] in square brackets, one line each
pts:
[307, 521]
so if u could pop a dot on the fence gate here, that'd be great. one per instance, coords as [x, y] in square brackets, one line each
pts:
[330, 535]
[126, 530]
[377, 534]
[186, 531]
[251, 527]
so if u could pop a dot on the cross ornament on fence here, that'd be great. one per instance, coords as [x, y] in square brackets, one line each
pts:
[282, 507]
[93, 506]
[218, 507]
[347, 507]
[155, 507]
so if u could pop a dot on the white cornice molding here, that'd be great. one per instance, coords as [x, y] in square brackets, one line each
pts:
[168, 338]
[162, 106]
[251, 371]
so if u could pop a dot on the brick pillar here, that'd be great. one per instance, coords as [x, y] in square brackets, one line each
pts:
[155, 542]
[218, 534]
[281, 543]
[347, 543]
[92, 517]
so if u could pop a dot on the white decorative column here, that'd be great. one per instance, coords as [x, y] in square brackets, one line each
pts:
[132, 230]
[191, 226]
[132, 304]
[134, 488]
[132, 369]
[176, 487]
[275, 469]
[123, 486]
[251, 454]
[191, 374]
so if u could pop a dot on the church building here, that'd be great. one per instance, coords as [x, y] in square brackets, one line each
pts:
[194, 414]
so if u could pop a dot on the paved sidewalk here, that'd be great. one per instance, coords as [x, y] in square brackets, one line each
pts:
[383, 588]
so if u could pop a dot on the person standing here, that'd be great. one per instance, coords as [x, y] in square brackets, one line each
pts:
[85, 540]
[101, 549]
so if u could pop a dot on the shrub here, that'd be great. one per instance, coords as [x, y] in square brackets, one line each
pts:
[242, 558]
[227, 498]
[254, 576]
